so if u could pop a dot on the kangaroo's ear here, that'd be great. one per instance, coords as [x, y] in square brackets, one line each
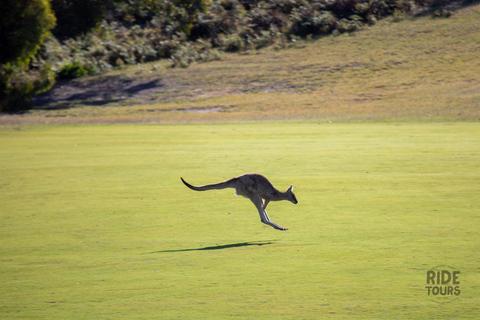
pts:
[290, 189]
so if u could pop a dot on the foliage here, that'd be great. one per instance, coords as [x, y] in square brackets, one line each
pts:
[170, 16]
[190, 52]
[76, 17]
[72, 71]
[18, 84]
[23, 28]
[188, 31]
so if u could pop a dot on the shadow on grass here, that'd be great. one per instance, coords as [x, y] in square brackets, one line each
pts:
[219, 247]
[67, 94]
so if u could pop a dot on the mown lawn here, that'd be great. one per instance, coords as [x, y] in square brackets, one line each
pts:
[96, 224]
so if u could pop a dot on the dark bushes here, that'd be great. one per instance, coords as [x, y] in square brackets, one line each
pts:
[72, 71]
[76, 17]
[23, 27]
[184, 31]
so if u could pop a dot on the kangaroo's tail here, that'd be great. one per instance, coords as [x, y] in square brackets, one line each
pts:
[222, 185]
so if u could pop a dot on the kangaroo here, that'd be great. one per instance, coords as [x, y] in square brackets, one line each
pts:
[254, 187]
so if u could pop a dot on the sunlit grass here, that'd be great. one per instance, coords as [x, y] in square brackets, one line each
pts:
[95, 222]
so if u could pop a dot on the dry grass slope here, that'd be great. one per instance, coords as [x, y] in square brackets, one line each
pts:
[410, 69]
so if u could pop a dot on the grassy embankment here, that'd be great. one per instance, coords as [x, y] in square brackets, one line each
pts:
[95, 223]
[416, 69]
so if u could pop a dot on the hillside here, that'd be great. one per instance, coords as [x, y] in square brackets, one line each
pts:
[416, 68]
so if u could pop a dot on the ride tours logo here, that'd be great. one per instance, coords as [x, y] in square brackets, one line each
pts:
[443, 284]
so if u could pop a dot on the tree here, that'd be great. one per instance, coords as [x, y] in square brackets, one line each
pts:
[23, 28]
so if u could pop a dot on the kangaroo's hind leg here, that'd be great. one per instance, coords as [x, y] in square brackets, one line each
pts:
[257, 201]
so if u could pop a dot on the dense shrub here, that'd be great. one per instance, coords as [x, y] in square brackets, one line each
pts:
[23, 28]
[76, 17]
[190, 52]
[19, 83]
[136, 31]
[72, 71]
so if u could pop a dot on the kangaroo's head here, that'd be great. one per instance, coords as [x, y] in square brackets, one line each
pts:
[291, 196]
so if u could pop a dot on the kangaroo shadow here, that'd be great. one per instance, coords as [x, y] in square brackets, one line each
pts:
[220, 247]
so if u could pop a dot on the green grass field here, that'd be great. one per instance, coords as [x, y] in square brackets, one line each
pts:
[96, 224]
